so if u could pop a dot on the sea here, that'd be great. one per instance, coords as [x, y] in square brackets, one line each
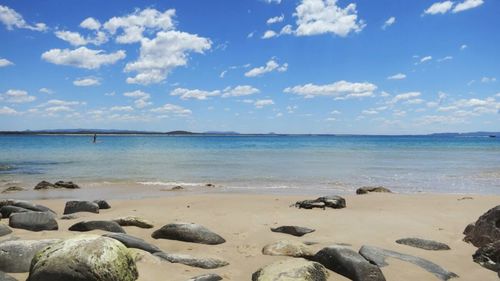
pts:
[289, 164]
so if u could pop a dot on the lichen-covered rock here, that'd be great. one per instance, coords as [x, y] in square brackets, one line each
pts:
[4, 230]
[368, 189]
[206, 263]
[89, 258]
[33, 221]
[16, 255]
[488, 256]
[287, 248]
[423, 244]
[292, 270]
[293, 230]
[206, 277]
[110, 226]
[188, 232]
[485, 230]
[334, 202]
[133, 242]
[134, 221]
[103, 204]
[81, 206]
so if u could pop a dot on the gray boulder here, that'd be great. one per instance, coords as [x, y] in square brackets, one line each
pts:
[348, 263]
[33, 221]
[6, 211]
[30, 206]
[89, 258]
[485, 230]
[423, 244]
[369, 189]
[293, 230]
[188, 232]
[66, 184]
[16, 255]
[290, 270]
[68, 217]
[81, 206]
[110, 226]
[103, 204]
[378, 256]
[133, 221]
[44, 185]
[206, 277]
[334, 202]
[488, 256]
[6, 277]
[133, 242]
[4, 230]
[287, 248]
[206, 263]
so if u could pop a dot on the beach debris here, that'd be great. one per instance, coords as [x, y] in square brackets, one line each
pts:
[206, 263]
[368, 189]
[334, 202]
[109, 226]
[287, 248]
[68, 217]
[293, 230]
[6, 211]
[13, 189]
[90, 258]
[103, 204]
[4, 230]
[59, 184]
[378, 256]
[423, 244]
[134, 221]
[5, 277]
[33, 221]
[488, 256]
[206, 277]
[348, 263]
[188, 232]
[81, 206]
[292, 269]
[16, 255]
[485, 230]
[133, 242]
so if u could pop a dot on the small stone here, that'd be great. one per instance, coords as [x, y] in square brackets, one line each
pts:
[368, 189]
[293, 230]
[110, 226]
[423, 244]
[206, 263]
[133, 221]
[81, 206]
[44, 185]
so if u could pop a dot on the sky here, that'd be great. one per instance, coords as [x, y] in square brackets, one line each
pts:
[251, 66]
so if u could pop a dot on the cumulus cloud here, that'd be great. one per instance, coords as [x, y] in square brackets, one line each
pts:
[276, 19]
[339, 90]
[186, 94]
[172, 109]
[439, 8]
[238, 91]
[46, 91]
[262, 103]
[447, 6]
[141, 99]
[56, 102]
[16, 96]
[404, 97]
[90, 23]
[270, 66]
[76, 39]
[398, 76]
[12, 19]
[269, 34]
[390, 21]
[86, 82]
[466, 5]
[122, 108]
[82, 57]
[5, 110]
[5, 62]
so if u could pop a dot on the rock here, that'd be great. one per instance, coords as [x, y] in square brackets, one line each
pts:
[177, 188]
[209, 185]
[188, 232]
[4, 230]
[6, 211]
[335, 202]
[378, 256]
[110, 226]
[102, 204]
[30, 206]
[423, 244]
[33, 221]
[292, 270]
[133, 242]
[348, 263]
[12, 189]
[293, 230]
[206, 277]
[66, 184]
[486, 229]
[287, 248]
[368, 189]
[68, 217]
[206, 263]
[44, 185]
[81, 206]
[6, 277]
[488, 256]
[134, 221]
[89, 258]
[16, 255]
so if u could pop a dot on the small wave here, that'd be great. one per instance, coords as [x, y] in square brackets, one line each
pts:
[161, 183]
[5, 167]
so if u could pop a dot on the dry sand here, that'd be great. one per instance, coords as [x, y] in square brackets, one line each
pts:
[244, 221]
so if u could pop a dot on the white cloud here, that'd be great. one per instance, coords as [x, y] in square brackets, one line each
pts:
[488, 79]
[46, 91]
[56, 102]
[447, 6]
[82, 57]
[445, 59]
[251, 34]
[76, 39]
[463, 47]
[5, 62]
[276, 19]
[424, 59]
[390, 21]
[466, 5]
[57, 109]
[16, 96]
[90, 23]
[172, 109]
[86, 82]
[269, 34]
[238, 91]
[186, 94]
[338, 90]
[271, 65]
[398, 76]
[316, 17]
[369, 112]
[122, 108]
[404, 97]
[5, 110]
[11, 19]
[222, 74]
[262, 103]
[272, 1]
[141, 98]
[439, 8]
[287, 29]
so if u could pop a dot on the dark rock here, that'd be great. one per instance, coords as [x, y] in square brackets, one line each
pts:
[102, 204]
[488, 256]
[468, 229]
[177, 188]
[4, 230]
[6, 277]
[110, 226]
[368, 189]
[33, 221]
[12, 189]
[486, 229]
[134, 221]
[209, 185]
[188, 232]
[348, 263]
[335, 202]
[292, 269]
[206, 263]
[133, 242]
[378, 256]
[206, 277]
[44, 185]
[293, 230]
[81, 206]
[31, 206]
[6, 211]
[16, 255]
[287, 248]
[423, 244]
[66, 184]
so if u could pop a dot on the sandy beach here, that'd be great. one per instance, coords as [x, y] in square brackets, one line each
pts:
[245, 222]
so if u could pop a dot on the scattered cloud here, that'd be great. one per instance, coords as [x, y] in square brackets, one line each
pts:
[276, 19]
[172, 109]
[186, 94]
[463, 47]
[447, 58]
[390, 21]
[90, 23]
[238, 91]
[466, 5]
[46, 91]
[76, 39]
[5, 110]
[127, 108]
[82, 57]
[11, 19]
[16, 96]
[270, 66]
[141, 99]
[404, 97]
[338, 90]
[447, 6]
[426, 58]
[398, 76]
[262, 103]
[272, 1]
[439, 8]
[488, 79]
[86, 82]
[5, 62]
[269, 34]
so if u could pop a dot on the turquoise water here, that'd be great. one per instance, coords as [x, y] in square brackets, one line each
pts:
[259, 163]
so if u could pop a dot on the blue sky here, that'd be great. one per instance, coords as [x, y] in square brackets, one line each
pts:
[253, 66]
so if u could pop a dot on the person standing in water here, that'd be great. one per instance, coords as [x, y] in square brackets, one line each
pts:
[95, 138]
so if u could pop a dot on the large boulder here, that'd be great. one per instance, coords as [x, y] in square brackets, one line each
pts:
[293, 230]
[103, 204]
[4, 230]
[206, 277]
[292, 270]
[485, 230]
[206, 263]
[133, 242]
[110, 226]
[134, 221]
[6, 211]
[287, 248]
[334, 202]
[348, 263]
[81, 206]
[6, 277]
[33, 221]
[188, 232]
[84, 258]
[488, 256]
[369, 189]
[16, 255]
[423, 244]
[31, 206]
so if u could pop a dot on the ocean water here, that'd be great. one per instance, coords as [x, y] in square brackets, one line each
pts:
[278, 164]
